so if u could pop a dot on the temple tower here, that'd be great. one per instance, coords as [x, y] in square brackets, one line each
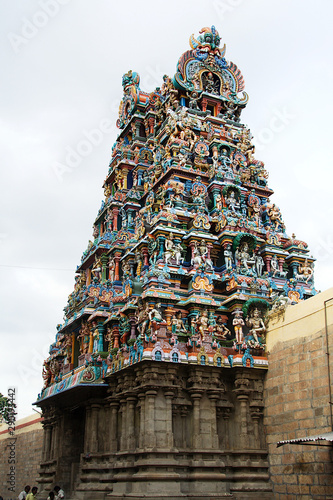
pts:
[154, 385]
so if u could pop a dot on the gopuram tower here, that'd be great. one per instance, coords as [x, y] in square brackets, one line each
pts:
[154, 385]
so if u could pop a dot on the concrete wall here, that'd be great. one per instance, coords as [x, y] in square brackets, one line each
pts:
[297, 399]
[25, 447]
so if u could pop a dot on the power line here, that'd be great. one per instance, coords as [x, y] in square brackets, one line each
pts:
[37, 268]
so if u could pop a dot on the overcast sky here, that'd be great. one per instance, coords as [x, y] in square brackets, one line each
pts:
[62, 64]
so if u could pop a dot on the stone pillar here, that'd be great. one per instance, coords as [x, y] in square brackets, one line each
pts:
[226, 413]
[130, 423]
[213, 397]
[54, 447]
[196, 396]
[93, 441]
[71, 360]
[183, 415]
[116, 336]
[117, 260]
[169, 442]
[268, 263]
[88, 271]
[141, 404]
[86, 446]
[151, 123]
[47, 442]
[161, 240]
[124, 174]
[168, 312]
[115, 213]
[104, 260]
[294, 267]
[244, 438]
[132, 320]
[209, 247]
[192, 246]
[242, 391]
[113, 429]
[256, 410]
[281, 261]
[100, 328]
[150, 438]
[145, 256]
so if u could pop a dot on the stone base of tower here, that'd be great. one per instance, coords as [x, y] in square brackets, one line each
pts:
[161, 430]
[175, 475]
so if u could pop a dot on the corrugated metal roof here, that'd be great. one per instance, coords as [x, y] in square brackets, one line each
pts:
[326, 436]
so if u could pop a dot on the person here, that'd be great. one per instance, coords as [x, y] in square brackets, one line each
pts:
[23, 494]
[60, 494]
[51, 496]
[32, 494]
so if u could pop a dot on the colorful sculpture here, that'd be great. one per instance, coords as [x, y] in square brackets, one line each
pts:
[186, 229]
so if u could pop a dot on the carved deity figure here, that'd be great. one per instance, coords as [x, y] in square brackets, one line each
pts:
[201, 255]
[259, 265]
[256, 324]
[238, 324]
[177, 324]
[276, 217]
[97, 268]
[228, 257]
[126, 268]
[221, 331]
[274, 265]
[84, 336]
[232, 202]
[142, 318]
[155, 314]
[47, 374]
[169, 248]
[210, 85]
[95, 336]
[202, 323]
[305, 271]
[112, 268]
[247, 261]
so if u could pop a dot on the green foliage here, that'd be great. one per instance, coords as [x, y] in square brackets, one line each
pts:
[7, 410]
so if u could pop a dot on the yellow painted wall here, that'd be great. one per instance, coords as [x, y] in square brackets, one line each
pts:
[301, 320]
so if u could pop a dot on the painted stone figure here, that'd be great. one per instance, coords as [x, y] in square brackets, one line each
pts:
[238, 324]
[185, 242]
[256, 325]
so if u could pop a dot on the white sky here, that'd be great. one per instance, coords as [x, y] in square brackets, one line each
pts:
[62, 64]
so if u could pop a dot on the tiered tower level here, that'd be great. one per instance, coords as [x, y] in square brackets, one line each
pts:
[188, 259]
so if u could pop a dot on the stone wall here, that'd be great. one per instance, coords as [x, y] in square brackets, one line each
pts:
[25, 447]
[296, 400]
[163, 430]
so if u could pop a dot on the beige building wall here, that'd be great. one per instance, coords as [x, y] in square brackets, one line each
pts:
[24, 450]
[297, 398]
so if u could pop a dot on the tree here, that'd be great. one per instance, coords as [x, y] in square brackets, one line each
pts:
[7, 409]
